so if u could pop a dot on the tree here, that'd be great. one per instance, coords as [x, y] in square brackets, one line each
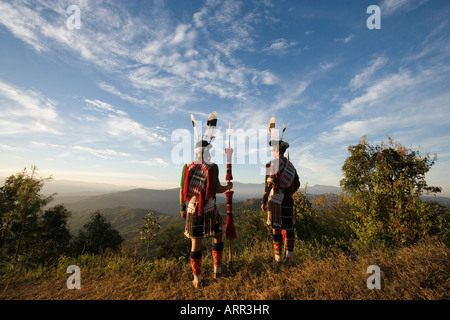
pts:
[384, 184]
[97, 236]
[171, 242]
[54, 232]
[21, 203]
[150, 229]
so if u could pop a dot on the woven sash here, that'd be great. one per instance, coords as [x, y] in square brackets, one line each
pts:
[198, 175]
[200, 181]
[288, 174]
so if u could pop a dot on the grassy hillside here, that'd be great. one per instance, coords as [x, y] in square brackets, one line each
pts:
[325, 264]
[420, 271]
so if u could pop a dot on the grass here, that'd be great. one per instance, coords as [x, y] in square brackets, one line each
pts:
[420, 271]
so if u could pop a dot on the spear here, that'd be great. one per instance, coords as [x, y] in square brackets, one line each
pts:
[230, 230]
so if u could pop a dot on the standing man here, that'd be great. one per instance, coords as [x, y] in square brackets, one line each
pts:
[281, 183]
[199, 185]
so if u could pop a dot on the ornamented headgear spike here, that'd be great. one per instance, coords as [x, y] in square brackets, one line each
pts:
[211, 123]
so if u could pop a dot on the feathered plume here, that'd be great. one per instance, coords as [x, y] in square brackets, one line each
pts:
[282, 134]
[272, 128]
[211, 124]
[195, 127]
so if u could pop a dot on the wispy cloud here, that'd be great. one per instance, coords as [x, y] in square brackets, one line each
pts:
[390, 7]
[380, 91]
[151, 162]
[11, 148]
[167, 62]
[70, 151]
[119, 125]
[113, 90]
[346, 39]
[366, 75]
[280, 46]
[25, 111]
[101, 153]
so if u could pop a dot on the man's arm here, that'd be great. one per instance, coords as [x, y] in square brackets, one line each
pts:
[222, 189]
[182, 205]
[182, 200]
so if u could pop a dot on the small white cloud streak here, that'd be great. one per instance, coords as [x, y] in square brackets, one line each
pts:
[101, 153]
[151, 162]
[366, 75]
[118, 124]
[390, 7]
[346, 40]
[280, 46]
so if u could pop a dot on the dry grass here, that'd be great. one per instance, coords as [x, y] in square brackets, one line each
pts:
[417, 272]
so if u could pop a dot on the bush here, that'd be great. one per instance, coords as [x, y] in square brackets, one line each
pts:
[384, 184]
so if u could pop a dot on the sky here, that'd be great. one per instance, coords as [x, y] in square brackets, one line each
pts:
[102, 91]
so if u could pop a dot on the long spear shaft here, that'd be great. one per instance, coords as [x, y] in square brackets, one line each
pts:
[230, 230]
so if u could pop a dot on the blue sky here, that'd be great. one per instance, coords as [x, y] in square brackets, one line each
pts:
[101, 103]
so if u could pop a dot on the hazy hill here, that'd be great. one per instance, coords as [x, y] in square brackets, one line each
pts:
[164, 201]
[125, 220]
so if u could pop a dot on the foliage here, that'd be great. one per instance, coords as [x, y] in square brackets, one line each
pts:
[97, 236]
[251, 228]
[171, 242]
[24, 226]
[54, 231]
[149, 230]
[384, 184]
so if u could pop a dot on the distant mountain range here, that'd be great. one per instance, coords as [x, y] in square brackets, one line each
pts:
[126, 206]
[78, 196]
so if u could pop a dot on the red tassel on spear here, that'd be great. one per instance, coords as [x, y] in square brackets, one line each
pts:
[230, 230]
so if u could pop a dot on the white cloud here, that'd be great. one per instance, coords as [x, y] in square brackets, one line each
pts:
[366, 75]
[265, 77]
[103, 107]
[390, 7]
[118, 124]
[23, 22]
[380, 91]
[290, 96]
[11, 148]
[164, 59]
[111, 89]
[280, 46]
[101, 153]
[346, 40]
[151, 162]
[27, 111]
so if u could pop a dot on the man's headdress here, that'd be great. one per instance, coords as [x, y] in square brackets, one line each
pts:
[282, 145]
[205, 143]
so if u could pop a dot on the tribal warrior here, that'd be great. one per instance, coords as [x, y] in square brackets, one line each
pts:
[281, 183]
[199, 186]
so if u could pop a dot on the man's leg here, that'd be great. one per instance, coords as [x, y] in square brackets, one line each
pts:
[277, 244]
[289, 243]
[196, 261]
[217, 255]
